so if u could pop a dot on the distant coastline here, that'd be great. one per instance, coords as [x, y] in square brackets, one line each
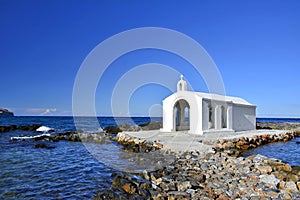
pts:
[5, 113]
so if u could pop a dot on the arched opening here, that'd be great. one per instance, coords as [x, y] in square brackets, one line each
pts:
[211, 118]
[187, 116]
[182, 115]
[224, 117]
[180, 86]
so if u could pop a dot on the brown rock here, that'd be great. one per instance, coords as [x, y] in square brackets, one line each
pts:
[245, 147]
[218, 146]
[129, 189]
[210, 192]
[172, 195]
[158, 145]
[298, 185]
[281, 185]
[223, 197]
[292, 177]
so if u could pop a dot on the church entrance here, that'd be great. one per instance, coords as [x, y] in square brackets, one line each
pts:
[181, 115]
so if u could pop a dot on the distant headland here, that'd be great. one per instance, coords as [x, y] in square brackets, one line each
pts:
[5, 112]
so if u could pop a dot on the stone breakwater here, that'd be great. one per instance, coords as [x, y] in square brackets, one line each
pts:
[238, 145]
[136, 145]
[32, 127]
[129, 144]
[217, 174]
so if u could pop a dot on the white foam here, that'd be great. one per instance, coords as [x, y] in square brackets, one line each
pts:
[29, 137]
[44, 129]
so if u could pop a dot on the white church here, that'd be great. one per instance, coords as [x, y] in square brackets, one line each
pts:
[199, 113]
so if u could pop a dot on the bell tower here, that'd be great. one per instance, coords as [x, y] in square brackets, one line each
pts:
[181, 85]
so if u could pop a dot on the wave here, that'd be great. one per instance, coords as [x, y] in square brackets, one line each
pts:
[44, 129]
[30, 137]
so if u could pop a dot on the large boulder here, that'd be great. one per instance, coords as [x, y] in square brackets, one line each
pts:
[5, 112]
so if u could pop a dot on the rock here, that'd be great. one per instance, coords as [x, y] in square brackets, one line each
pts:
[269, 179]
[32, 127]
[264, 169]
[183, 186]
[290, 187]
[172, 195]
[158, 145]
[5, 113]
[223, 197]
[145, 174]
[151, 126]
[106, 194]
[42, 145]
[292, 177]
[164, 186]
[112, 129]
[284, 195]
[129, 189]
[298, 185]
[282, 167]
[259, 158]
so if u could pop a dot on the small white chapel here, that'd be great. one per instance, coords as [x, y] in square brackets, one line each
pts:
[199, 113]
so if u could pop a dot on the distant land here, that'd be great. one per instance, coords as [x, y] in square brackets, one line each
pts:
[5, 112]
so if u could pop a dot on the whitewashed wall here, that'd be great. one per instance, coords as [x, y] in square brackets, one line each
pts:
[243, 117]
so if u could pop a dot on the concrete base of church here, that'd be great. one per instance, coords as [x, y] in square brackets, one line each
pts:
[219, 131]
[183, 141]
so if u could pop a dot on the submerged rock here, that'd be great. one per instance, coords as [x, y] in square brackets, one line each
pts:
[43, 145]
[32, 127]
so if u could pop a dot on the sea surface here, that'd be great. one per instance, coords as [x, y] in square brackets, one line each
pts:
[70, 171]
[288, 152]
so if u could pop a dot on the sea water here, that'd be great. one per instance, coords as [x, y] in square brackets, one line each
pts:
[288, 152]
[70, 171]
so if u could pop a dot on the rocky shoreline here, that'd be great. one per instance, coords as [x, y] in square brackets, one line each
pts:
[221, 173]
[213, 175]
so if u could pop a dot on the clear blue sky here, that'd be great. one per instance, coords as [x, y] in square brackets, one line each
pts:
[255, 44]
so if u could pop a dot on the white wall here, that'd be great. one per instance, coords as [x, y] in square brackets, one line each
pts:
[240, 117]
[195, 103]
[243, 117]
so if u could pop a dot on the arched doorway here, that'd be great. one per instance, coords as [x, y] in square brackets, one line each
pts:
[181, 115]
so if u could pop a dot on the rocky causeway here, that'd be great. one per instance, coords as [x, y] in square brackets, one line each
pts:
[210, 167]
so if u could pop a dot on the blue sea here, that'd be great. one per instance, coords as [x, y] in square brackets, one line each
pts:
[70, 171]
